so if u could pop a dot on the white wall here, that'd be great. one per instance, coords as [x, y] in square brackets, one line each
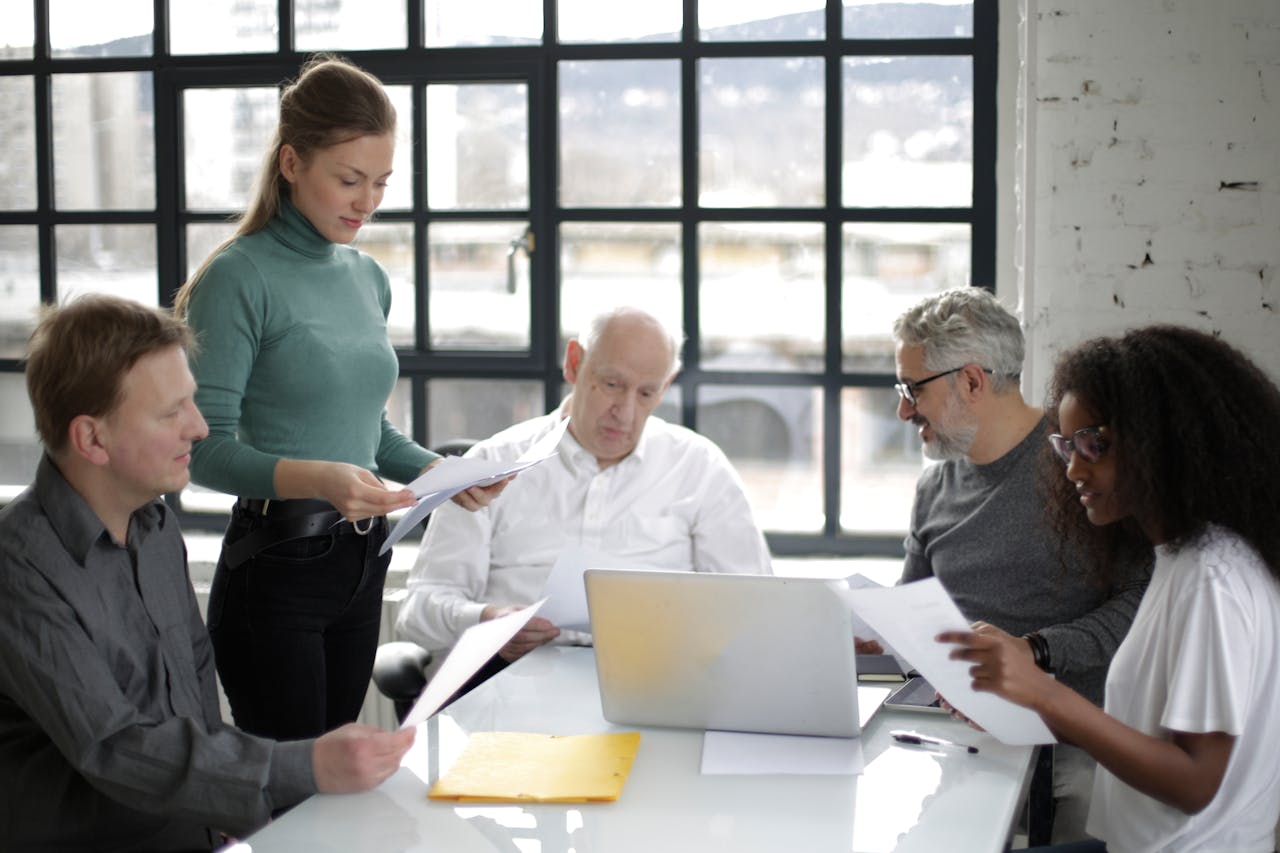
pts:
[1139, 170]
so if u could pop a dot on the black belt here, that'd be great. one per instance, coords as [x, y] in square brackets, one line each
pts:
[287, 520]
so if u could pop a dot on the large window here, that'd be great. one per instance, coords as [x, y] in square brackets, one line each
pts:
[778, 179]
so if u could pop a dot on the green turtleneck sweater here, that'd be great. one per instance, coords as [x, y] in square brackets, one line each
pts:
[294, 360]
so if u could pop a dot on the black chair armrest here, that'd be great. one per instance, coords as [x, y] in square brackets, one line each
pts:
[399, 670]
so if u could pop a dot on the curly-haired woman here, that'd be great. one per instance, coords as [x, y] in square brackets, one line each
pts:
[1169, 440]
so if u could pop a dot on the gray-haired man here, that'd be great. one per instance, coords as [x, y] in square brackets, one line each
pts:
[978, 519]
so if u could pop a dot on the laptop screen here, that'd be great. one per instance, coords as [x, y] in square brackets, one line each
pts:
[753, 653]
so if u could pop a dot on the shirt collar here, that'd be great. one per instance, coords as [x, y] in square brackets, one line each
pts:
[75, 522]
[580, 456]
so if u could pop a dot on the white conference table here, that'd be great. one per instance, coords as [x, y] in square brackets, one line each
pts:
[908, 798]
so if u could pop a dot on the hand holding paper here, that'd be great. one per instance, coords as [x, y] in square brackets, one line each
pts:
[455, 473]
[910, 616]
[476, 645]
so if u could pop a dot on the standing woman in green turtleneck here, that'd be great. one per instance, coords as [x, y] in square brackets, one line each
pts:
[294, 370]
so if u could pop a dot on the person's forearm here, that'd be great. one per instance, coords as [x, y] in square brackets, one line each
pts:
[298, 478]
[1089, 642]
[1157, 767]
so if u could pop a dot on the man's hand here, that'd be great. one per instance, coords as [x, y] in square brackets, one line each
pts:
[867, 647]
[357, 757]
[536, 632]
[479, 497]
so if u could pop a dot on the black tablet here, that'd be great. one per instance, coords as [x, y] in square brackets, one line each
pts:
[916, 695]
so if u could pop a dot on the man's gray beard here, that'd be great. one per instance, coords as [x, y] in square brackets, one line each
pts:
[952, 445]
[953, 437]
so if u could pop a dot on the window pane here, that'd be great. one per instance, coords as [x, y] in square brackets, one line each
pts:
[103, 141]
[908, 132]
[18, 38]
[391, 244]
[454, 23]
[399, 194]
[17, 143]
[116, 259]
[223, 26]
[226, 134]
[19, 287]
[350, 24]
[478, 146]
[763, 20]
[773, 437]
[888, 267]
[761, 132]
[605, 265]
[478, 279]
[762, 295]
[865, 19]
[87, 28]
[477, 408]
[881, 463]
[19, 446]
[202, 239]
[591, 20]
[620, 133]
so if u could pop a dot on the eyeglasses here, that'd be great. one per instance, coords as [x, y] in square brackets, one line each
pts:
[1091, 443]
[909, 390]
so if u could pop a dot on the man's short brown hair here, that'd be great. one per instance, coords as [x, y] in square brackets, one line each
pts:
[79, 353]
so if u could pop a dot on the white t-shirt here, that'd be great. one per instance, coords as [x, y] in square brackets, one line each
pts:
[1203, 655]
[674, 503]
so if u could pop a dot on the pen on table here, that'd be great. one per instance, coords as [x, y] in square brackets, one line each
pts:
[925, 740]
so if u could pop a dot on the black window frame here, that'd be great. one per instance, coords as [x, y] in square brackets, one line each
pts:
[538, 66]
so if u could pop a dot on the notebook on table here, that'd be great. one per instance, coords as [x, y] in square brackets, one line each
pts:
[748, 653]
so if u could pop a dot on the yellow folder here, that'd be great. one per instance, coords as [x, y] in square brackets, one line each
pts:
[520, 767]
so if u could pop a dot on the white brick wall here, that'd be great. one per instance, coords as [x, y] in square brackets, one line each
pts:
[1150, 185]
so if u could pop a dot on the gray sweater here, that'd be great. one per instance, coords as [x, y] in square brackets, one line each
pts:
[981, 530]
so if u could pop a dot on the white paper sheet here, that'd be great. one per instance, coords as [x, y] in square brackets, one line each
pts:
[909, 616]
[861, 629]
[566, 595]
[743, 753]
[456, 473]
[476, 645]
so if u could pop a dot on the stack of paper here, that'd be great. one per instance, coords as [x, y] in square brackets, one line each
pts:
[455, 473]
[517, 767]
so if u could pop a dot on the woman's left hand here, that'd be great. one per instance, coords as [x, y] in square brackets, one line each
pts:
[1002, 663]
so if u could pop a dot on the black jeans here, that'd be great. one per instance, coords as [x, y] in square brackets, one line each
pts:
[295, 628]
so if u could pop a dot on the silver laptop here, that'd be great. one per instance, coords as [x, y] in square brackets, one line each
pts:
[749, 653]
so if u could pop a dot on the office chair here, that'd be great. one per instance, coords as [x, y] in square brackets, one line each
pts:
[400, 673]
[400, 667]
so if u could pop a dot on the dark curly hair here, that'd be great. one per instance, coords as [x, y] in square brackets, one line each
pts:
[1196, 428]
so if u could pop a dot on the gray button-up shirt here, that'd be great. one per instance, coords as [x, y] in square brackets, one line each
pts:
[110, 732]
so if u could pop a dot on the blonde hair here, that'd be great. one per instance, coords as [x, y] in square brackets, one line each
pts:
[79, 353]
[330, 103]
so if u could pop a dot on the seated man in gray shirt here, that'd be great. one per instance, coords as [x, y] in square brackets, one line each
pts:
[110, 731]
[978, 523]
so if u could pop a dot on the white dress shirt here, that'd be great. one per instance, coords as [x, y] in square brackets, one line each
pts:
[674, 503]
